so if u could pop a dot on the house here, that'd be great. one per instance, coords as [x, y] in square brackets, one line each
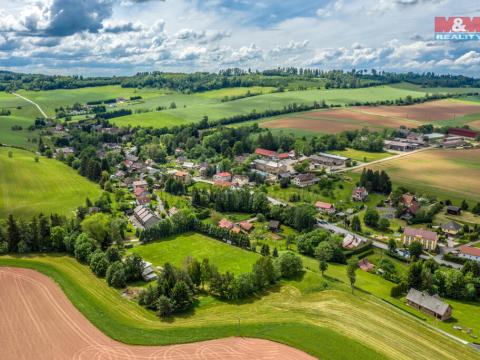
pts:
[269, 166]
[469, 252]
[183, 176]
[274, 225]
[350, 241]
[324, 159]
[464, 132]
[240, 180]
[222, 183]
[246, 226]
[427, 238]
[451, 228]
[304, 180]
[147, 273]
[266, 153]
[431, 305]
[225, 224]
[325, 207]
[140, 184]
[400, 145]
[223, 176]
[189, 165]
[453, 210]
[359, 194]
[453, 142]
[411, 203]
[365, 265]
[146, 217]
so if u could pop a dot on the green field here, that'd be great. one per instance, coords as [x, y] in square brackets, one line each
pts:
[362, 156]
[329, 324]
[49, 186]
[176, 249]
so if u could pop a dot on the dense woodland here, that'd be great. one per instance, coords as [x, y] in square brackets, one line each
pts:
[280, 78]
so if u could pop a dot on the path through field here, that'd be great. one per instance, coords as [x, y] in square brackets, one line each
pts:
[33, 103]
[39, 322]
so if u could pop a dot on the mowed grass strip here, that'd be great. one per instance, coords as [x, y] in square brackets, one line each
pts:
[48, 186]
[175, 249]
[446, 174]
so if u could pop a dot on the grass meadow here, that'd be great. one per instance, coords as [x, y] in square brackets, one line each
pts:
[315, 314]
[48, 186]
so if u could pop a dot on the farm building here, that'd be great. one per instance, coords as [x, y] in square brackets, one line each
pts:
[400, 145]
[431, 305]
[453, 210]
[469, 252]
[225, 224]
[304, 180]
[451, 228]
[359, 194]
[266, 153]
[427, 238]
[464, 132]
[433, 137]
[146, 217]
[324, 159]
[274, 225]
[246, 226]
[269, 166]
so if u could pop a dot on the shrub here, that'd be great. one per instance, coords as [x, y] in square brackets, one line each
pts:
[290, 265]
[84, 247]
[98, 263]
[165, 306]
[116, 275]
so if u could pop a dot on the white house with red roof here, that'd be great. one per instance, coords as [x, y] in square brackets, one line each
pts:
[469, 252]
[223, 176]
[325, 207]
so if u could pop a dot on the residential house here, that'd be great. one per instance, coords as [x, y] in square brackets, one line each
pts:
[274, 225]
[453, 210]
[325, 207]
[411, 203]
[365, 265]
[328, 160]
[223, 176]
[183, 176]
[304, 180]
[189, 165]
[266, 153]
[225, 224]
[469, 252]
[350, 241]
[431, 305]
[359, 194]
[246, 226]
[141, 194]
[240, 180]
[145, 217]
[140, 184]
[451, 228]
[427, 238]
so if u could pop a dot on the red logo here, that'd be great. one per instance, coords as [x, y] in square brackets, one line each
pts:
[460, 24]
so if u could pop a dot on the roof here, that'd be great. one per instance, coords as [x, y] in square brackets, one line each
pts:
[181, 173]
[270, 163]
[428, 302]
[225, 224]
[222, 183]
[139, 191]
[424, 234]
[470, 250]
[453, 208]
[224, 174]
[273, 223]
[452, 225]
[306, 177]
[331, 156]
[434, 136]
[283, 156]
[324, 205]
[265, 152]
[245, 225]
[463, 132]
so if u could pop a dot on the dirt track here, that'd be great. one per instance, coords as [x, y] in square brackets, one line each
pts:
[39, 322]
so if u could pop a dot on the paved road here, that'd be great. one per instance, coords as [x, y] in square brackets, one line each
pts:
[383, 160]
[33, 103]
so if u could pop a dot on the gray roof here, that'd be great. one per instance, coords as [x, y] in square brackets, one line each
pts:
[329, 156]
[452, 225]
[426, 301]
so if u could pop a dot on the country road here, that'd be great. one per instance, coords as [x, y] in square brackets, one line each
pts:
[33, 103]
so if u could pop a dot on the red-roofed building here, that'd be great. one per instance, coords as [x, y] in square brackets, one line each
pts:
[246, 226]
[283, 156]
[325, 207]
[139, 191]
[365, 265]
[128, 163]
[183, 176]
[236, 229]
[221, 183]
[225, 224]
[223, 176]
[266, 153]
[427, 238]
[411, 203]
[464, 132]
[469, 252]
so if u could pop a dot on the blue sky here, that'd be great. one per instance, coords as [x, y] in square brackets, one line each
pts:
[116, 37]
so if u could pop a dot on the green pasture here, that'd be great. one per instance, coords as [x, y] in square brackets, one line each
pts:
[362, 156]
[48, 186]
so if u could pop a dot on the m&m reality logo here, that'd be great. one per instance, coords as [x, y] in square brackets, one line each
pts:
[457, 28]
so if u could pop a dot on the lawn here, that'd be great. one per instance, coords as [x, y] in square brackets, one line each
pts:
[49, 186]
[329, 324]
[175, 249]
[447, 174]
[362, 156]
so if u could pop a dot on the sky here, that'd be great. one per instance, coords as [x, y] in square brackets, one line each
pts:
[123, 37]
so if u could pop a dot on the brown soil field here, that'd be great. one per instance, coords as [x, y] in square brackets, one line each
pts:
[446, 173]
[429, 111]
[475, 124]
[39, 322]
